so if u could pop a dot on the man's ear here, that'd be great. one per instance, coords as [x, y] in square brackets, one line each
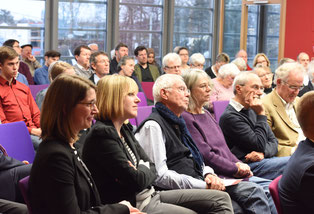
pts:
[93, 66]
[238, 89]
[163, 94]
[76, 56]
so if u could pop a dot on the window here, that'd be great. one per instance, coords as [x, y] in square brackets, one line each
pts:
[194, 29]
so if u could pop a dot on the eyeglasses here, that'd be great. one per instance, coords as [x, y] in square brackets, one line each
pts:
[91, 105]
[180, 89]
[174, 67]
[293, 87]
[257, 87]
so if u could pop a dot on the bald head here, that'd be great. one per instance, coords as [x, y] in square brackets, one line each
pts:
[242, 54]
[305, 114]
[304, 59]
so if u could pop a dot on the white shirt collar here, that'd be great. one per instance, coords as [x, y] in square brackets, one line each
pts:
[287, 105]
[237, 106]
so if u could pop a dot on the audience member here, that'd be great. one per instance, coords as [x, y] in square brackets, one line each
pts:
[144, 71]
[304, 59]
[11, 172]
[240, 63]
[55, 68]
[82, 67]
[179, 163]
[222, 89]
[93, 47]
[208, 136]
[221, 59]
[29, 58]
[112, 154]
[16, 100]
[99, 62]
[261, 59]
[41, 74]
[126, 67]
[60, 182]
[171, 64]
[121, 50]
[151, 59]
[245, 128]
[296, 185]
[183, 52]
[23, 67]
[11, 207]
[266, 76]
[243, 54]
[285, 60]
[280, 107]
[310, 85]
[197, 60]
[21, 78]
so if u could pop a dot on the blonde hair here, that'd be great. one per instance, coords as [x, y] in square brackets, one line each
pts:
[258, 55]
[111, 91]
[64, 93]
[57, 68]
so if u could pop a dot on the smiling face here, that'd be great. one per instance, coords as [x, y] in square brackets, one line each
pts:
[201, 91]
[130, 103]
[83, 113]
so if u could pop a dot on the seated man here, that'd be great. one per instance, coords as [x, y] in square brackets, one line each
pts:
[82, 67]
[144, 71]
[280, 107]
[296, 185]
[41, 74]
[179, 164]
[171, 64]
[99, 62]
[29, 59]
[16, 100]
[246, 131]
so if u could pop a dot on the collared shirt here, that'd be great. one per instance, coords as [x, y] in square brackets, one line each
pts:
[18, 104]
[41, 76]
[293, 117]
[237, 106]
[96, 79]
[32, 65]
[146, 74]
[81, 71]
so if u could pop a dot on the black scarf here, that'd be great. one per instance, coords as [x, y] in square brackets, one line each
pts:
[185, 134]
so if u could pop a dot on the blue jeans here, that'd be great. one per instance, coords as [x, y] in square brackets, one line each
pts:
[250, 197]
[36, 141]
[264, 183]
[269, 168]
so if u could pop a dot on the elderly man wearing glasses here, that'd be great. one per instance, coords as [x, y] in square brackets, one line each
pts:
[171, 64]
[280, 106]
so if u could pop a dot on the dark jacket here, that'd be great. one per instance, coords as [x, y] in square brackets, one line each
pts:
[306, 88]
[59, 183]
[108, 160]
[113, 66]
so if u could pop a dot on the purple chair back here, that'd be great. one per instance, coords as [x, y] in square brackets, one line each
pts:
[148, 89]
[133, 121]
[142, 97]
[142, 113]
[273, 189]
[23, 184]
[36, 88]
[219, 108]
[15, 138]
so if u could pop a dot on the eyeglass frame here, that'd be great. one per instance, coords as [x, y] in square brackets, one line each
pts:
[292, 87]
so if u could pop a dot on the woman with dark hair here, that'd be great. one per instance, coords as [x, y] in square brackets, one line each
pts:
[120, 167]
[60, 182]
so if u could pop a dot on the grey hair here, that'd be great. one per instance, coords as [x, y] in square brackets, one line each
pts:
[283, 71]
[190, 78]
[241, 79]
[169, 58]
[197, 58]
[123, 61]
[240, 63]
[228, 69]
[162, 82]
[310, 70]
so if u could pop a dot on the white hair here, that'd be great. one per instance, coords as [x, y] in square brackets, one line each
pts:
[240, 63]
[310, 70]
[170, 57]
[228, 69]
[283, 71]
[241, 79]
[164, 81]
[197, 58]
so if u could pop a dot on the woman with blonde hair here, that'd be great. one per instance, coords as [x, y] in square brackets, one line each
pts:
[261, 59]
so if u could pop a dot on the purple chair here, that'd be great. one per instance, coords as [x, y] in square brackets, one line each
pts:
[37, 88]
[142, 113]
[219, 108]
[15, 138]
[273, 189]
[23, 184]
[142, 97]
[133, 121]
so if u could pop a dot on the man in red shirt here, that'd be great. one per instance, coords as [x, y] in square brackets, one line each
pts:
[16, 101]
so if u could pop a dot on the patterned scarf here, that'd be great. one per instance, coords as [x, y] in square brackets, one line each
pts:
[185, 134]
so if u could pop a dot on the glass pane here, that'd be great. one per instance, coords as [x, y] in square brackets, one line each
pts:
[233, 5]
[194, 3]
[252, 32]
[134, 39]
[140, 18]
[154, 2]
[251, 48]
[231, 44]
[194, 21]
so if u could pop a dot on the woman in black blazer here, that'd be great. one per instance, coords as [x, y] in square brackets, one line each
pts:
[59, 181]
[120, 167]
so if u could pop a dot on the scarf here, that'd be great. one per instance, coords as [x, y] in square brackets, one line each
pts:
[185, 134]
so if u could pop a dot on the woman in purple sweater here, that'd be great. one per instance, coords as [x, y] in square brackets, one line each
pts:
[206, 132]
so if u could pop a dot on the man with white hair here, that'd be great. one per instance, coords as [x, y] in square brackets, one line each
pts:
[304, 59]
[171, 64]
[179, 164]
[280, 107]
[93, 47]
[310, 85]
[244, 125]
[197, 60]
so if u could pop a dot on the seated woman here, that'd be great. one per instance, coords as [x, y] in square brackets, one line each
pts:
[120, 167]
[151, 59]
[126, 68]
[261, 59]
[197, 60]
[60, 182]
